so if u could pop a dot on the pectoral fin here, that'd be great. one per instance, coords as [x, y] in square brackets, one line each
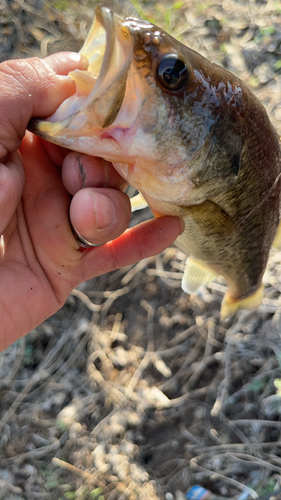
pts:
[230, 306]
[210, 218]
[195, 275]
[138, 203]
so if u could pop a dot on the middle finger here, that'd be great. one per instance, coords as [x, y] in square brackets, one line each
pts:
[81, 171]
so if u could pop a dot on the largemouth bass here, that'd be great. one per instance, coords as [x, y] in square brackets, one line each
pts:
[190, 137]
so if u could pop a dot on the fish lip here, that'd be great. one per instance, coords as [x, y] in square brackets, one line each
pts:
[106, 18]
[106, 98]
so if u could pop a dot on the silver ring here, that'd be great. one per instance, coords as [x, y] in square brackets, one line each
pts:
[82, 241]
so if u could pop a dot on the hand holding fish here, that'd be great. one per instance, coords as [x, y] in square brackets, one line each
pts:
[41, 186]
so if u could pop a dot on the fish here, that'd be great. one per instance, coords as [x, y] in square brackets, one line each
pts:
[191, 137]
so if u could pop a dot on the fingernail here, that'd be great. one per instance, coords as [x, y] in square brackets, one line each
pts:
[182, 225]
[84, 61]
[79, 58]
[104, 210]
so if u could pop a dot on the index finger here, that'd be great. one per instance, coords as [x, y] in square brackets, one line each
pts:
[141, 241]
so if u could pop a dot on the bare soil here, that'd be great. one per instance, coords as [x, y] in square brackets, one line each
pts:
[134, 390]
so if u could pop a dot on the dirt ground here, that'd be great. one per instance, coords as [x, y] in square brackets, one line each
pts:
[134, 390]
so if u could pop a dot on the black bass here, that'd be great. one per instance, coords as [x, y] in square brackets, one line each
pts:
[190, 137]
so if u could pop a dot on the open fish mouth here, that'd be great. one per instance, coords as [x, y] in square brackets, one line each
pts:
[100, 89]
[114, 111]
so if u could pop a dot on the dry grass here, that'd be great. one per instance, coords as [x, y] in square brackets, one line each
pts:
[135, 390]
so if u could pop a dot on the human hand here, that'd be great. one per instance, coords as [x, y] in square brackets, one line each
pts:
[41, 185]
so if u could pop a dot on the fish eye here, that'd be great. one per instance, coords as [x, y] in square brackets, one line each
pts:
[172, 72]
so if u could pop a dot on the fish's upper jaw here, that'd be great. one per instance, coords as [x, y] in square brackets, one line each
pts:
[108, 48]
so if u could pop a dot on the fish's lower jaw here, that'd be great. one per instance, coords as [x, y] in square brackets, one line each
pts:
[230, 306]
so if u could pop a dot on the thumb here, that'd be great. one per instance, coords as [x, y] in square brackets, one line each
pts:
[31, 88]
[28, 88]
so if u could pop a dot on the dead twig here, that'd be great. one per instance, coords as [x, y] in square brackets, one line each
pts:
[90, 478]
[35, 454]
